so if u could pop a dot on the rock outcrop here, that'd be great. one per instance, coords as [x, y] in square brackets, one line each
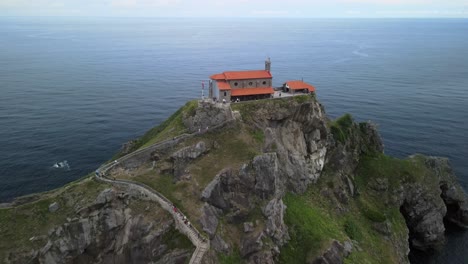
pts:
[181, 158]
[108, 231]
[243, 209]
[207, 115]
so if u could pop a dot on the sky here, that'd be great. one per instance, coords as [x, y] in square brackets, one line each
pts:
[238, 8]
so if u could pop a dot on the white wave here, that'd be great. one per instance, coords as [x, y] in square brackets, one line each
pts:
[61, 165]
[360, 53]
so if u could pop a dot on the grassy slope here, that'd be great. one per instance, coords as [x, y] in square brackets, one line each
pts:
[314, 222]
[235, 145]
[19, 224]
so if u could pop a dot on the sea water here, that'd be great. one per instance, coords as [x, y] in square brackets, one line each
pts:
[76, 89]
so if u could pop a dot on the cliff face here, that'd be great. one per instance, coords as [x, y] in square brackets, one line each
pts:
[271, 181]
[115, 227]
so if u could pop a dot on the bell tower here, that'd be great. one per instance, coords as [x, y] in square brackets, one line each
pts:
[268, 64]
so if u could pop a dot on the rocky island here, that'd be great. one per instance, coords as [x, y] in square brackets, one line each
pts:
[268, 181]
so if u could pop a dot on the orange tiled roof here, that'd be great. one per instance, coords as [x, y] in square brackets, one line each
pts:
[251, 91]
[242, 75]
[299, 85]
[218, 76]
[222, 85]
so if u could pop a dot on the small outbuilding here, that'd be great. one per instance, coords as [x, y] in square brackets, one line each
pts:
[298, 86]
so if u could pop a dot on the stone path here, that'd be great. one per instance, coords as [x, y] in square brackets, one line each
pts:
[201, 243]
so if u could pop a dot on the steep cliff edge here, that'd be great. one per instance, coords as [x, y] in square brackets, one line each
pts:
[270, 181]
[91, 223]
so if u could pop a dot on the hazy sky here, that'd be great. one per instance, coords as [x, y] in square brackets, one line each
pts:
[237, 8]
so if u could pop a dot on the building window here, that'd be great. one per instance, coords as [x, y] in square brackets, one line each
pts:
[235, 84]
[264, 82]
[225, 94]
[250, 83]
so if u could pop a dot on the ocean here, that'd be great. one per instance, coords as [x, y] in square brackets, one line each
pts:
[76, 89]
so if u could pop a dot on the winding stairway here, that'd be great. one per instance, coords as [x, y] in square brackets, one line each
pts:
[201, 243]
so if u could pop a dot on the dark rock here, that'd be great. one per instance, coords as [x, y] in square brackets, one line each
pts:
[111, 234]
[184, 156]
[220, 245]
[250, 244]
[267, 174]
[209, 219]
[335, 254]
[262, 257]
[452, 193]
[275, 226]
[424, 215]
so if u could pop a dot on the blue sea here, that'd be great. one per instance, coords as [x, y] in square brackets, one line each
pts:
[76, 89]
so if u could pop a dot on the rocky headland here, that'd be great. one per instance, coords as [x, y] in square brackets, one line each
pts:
[270, 181]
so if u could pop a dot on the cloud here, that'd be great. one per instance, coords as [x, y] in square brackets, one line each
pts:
[144, 3]
[232, 8]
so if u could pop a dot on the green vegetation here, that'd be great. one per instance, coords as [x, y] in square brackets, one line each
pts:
[171, 127]
[174, 239]
[258, 135]
[163, 184]
[302, 98]
[234, 258]
[395, 171]
[340, 128]
[234, 146]
[249, 110]
[311, 230]
[370, 211]
[19, 224]
[314, 220]
[352, 229]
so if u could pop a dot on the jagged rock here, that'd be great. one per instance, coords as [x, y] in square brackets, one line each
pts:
[111, 234]
[251, 243]
[53, 207]
[248, 227]
[232, 192]
[220, 245]
[267, 174]
[453, 195]
[262, 257]
[275, 226]
[182, 158]
[424, 215]
[104, 197]
[209, 219]
[206, 115]
[213, 193]
[335, 254]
